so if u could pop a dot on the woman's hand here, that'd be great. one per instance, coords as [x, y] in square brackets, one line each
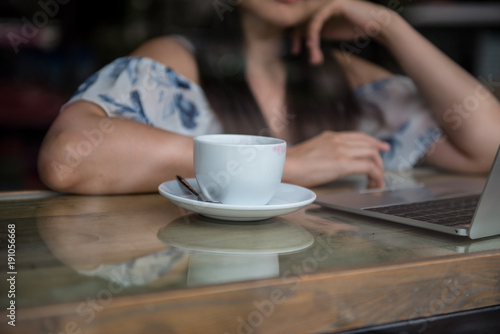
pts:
[341, 20]
[331, 155]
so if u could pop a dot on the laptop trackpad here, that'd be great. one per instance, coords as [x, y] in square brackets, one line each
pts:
[417, 193]
[408, 194]
[421, 193]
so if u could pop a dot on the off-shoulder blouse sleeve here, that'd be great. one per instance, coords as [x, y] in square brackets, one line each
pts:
[408, 124]
[146, 91]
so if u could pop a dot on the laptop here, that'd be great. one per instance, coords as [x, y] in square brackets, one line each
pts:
[460, 207]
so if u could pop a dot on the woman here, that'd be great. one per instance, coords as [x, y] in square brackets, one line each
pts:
[85, 151]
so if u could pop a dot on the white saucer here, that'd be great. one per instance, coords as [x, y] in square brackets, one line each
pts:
[288, 198]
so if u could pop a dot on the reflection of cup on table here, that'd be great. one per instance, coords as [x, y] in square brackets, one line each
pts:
[239, 169]
[215, 268]
[224, 252]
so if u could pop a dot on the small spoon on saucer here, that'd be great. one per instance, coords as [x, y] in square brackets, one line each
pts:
[187, 186]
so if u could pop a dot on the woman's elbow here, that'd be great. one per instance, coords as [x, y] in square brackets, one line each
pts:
[57, 169]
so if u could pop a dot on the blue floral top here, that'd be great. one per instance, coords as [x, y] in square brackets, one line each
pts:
[146, 91]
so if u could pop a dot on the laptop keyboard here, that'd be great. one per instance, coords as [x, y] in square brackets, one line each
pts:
[447, 212]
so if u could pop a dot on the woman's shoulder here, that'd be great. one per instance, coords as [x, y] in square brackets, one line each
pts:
[174, 52]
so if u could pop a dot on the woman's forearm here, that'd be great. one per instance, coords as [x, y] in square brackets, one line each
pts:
[89, 153]
[467, 111]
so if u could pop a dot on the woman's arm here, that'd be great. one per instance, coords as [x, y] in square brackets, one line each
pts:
[467, 112]
[87, 152]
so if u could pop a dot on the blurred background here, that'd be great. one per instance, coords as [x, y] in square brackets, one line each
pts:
[49, 47]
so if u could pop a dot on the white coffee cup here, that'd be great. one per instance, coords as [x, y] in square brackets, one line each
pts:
[239, 169]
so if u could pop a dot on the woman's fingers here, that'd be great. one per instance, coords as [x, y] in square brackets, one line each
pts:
[367, 153]
[342, 19]
[360, 138]
[314, 30]
[353, 139]
[296, 40]
[313, 35]
[332, 155]
[334, 169]
[374, 173]
[362, 146]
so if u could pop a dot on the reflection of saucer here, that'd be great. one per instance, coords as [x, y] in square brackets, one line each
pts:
[276, 235]
[288, 198]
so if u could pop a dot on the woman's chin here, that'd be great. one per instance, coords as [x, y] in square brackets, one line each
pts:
[281, 13]
[287, 20]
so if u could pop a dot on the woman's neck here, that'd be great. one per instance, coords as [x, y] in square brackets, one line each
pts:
[263, 42]
[265, 71]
